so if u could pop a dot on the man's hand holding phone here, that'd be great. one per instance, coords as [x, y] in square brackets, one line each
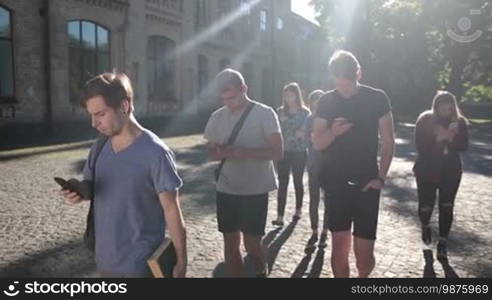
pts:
[73, 190]
[340, 126]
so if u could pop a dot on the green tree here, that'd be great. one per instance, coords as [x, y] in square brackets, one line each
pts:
[405, 46]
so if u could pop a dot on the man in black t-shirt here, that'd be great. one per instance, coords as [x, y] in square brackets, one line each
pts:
[346, 129]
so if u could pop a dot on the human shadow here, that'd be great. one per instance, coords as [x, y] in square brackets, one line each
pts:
[429, 271]
[301, 268]
[275, 246]
[448, 270]
[317, 266]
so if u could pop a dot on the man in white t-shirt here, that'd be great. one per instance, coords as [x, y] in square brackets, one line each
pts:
[248, 174]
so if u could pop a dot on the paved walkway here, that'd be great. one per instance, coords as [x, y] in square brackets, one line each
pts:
[41, 236]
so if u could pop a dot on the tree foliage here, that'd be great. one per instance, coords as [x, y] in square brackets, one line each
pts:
[409, 47]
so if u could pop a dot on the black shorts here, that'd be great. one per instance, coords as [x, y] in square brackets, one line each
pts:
[348, 204]
[247, 214]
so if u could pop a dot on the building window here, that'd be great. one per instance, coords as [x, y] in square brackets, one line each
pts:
[263, 20]
[88, 55]
[224, 8]
[280, 24]
[161, 69]
[6, 56]
[224, 64]
[245, 7]
[201, 13]
[202, 73]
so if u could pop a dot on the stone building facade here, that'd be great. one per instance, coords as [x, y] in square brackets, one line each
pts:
[171, 49]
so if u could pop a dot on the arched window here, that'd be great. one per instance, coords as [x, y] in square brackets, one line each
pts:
[89, 53]
[6, 57]
[161, 69]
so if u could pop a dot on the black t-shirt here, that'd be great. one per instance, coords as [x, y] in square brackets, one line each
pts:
[353, 156]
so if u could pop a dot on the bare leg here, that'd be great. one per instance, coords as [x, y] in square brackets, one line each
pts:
[255, 250]
[341, 242]
[364, 254]
[232, 253]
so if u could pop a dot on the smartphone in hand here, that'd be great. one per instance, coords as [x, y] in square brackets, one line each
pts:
[75, 186]
[65, 185]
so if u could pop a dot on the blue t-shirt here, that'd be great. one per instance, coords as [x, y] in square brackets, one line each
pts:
[129, 218]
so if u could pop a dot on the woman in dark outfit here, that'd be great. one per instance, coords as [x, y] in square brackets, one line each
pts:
[293, 116]
[313, 165]
[441, 135]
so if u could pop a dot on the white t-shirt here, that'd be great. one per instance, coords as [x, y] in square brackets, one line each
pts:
[247, 176]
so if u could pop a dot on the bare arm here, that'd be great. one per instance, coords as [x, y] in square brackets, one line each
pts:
[323, 135]
[274, 151]
[176, 226]
[387, 132]
[215, 151]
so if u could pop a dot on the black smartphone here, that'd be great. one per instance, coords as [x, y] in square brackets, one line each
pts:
[64, 184]
[74, 186]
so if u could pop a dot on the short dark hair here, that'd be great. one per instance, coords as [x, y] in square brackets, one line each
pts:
[344, 64]
[229, 77]
[113, 87]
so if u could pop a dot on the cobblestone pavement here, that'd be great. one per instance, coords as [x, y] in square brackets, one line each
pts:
[41, 236]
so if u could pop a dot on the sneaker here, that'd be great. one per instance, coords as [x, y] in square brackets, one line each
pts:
[426, 235]
[442, 250]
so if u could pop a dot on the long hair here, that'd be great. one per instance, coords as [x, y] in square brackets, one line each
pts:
[445, 97]
[296, 89]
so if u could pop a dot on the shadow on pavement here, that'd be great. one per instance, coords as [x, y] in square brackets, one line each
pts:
[448, 270]
[65, 261]
[318, 263]
[275, 246]
[273, 241]
[429, 271]
[11, 155]
[301, 268]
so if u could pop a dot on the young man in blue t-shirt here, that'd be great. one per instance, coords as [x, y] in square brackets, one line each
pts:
[136, 184]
